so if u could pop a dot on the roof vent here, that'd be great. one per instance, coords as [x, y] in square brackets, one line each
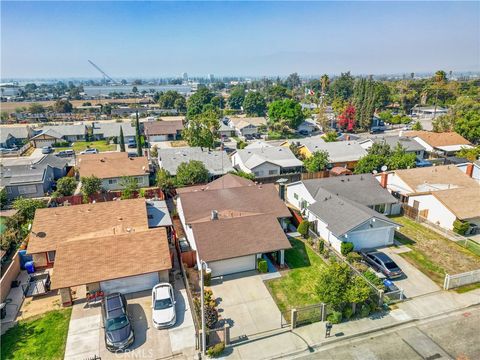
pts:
[214, 215]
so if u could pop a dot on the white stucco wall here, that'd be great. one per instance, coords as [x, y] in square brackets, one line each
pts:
[424, 144]
[266, 169]
[395, 183]
[437, 212]
[114, 183]
[476, 171]
[296, 193]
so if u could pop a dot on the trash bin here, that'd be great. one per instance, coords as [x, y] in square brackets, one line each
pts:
[30, 267]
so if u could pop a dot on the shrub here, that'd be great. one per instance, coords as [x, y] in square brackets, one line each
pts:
[303, 228]
[321, 246]
[364, 310]
[335, 317]
[262, 265]
[61, 144]
[360, 266]
[373, 278]
[207, 278]
[354, 257]
[460, 227]
[210, 306]
[347, 312]
[346, 247]
[310, 241]
[216, 350]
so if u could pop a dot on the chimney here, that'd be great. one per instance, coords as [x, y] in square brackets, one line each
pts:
[469, 170]
[383, 179]
[281, 188]
[214, 215]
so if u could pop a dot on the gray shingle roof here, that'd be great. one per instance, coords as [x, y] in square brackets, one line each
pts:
[18, 132]
[66, 130]
[212, 159]
[339, 151]
[340, 214]
[363, 189]
[279, 155]
[49, 132]
[409, 144]
[113, 129]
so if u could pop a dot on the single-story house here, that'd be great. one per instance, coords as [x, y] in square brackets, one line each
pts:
[11, 136]
[446, 143]
[428, 112]
[112, 167]
[163, 130]
[230, 227]
[440, 194]
[216, 162]
[70, 133]
[346, 209]
[308, 125]
[409, 144]
[266, 161]
[32, 179]
[471, 169]
[46, 138]
[101, 130]
[246, 125]
[225, 131]
[106, 246]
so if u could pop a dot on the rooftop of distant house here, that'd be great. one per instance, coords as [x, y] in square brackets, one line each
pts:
[106, 165]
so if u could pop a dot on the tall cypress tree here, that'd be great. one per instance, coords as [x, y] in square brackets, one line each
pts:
[137, 135]
[121, 141]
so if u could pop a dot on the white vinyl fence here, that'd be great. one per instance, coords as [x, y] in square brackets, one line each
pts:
[466, 278]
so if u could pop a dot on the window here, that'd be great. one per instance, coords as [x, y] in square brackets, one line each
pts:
[380, 208]
[257, 173]
[272, 172]
[51, 256]
[295, 196]
[112, 181]
[27, 189]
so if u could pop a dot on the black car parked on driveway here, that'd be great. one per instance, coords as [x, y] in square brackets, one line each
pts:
[118, 329]
[381, 262]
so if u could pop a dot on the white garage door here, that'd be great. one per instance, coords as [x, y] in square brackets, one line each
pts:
[371, 238]
[231, 266]
[158, 138]
[130, 284]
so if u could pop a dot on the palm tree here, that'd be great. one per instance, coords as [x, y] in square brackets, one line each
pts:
[325, 81]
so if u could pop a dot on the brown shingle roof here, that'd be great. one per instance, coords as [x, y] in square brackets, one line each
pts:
[162, 127]
[227, 181]
[110, 257]
[70, 223]
[439, 139]
[229, 238]
[419, 178]
[463, 202]
[246, 200]
[111, 165]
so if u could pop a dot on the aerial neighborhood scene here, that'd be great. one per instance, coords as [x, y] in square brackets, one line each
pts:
[240, 180]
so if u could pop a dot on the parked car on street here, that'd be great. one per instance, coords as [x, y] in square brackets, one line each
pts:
[89, 151]
[382, 263]
[118, 329]
[65, 153]
[249, 137]
[163, 306]
[47, 150]
[132, 143]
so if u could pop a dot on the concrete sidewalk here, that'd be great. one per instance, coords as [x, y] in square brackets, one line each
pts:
[284, 343]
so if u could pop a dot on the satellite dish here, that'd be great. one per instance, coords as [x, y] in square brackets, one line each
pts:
[375, 171]
[384, 168]
[41, 234]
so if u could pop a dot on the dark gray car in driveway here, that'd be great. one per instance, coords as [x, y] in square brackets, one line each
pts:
[118, 329]
[382, 263]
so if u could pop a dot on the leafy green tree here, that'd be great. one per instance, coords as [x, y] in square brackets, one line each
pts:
[202, 130]
[325, 81]
[330, 136]
[197, 101]
[26, 207]
[318, 161]
[368, 163]
[168, 99]
[381, 154]
[90, 185]
[380, 148]
[63, 106]
[36, 108]
[276, 92]
[364, 102]
[333, 283]
[165, 181]
[293, 81]
[138, 138]
[3, 198]
[417, 126]
[358, 291]
[154, 151]
[471, 154]
[287, 110]
[217, 102]
[342, 87]
[66, 186]
[399, 159]
[237, 96]
[303, 228]
[129, 185]
[191, 173]
[254, 104]
[122, 140]
[243, 174]
[180, 104]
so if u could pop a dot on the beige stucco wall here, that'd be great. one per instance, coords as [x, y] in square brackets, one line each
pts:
[93, 286]
[66, 296]
[163, 276]
[39, 259]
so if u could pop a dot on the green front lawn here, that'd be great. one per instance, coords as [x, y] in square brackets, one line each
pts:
[297, 287]
[79, 146]
[38, 338]
[434, 254]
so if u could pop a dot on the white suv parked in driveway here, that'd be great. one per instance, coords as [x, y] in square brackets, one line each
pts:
[163, 306]
[89, 151]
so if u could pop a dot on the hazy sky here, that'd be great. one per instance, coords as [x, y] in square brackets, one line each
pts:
[55, 39]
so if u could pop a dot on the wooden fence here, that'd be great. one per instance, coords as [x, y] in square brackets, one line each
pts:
[106, 196]
[10, 275]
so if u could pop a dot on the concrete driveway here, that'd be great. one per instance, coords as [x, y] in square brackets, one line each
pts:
[414, 283]
[245, 304]
[86, 335]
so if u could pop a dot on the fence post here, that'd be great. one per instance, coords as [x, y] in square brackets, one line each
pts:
[446, 281]
[380, 297]
[324, 312]
[226, 333]
[293, 317]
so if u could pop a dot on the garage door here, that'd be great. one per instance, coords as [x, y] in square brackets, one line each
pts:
[231, 266]
[158, 138]
[372, 238]
[130, 284]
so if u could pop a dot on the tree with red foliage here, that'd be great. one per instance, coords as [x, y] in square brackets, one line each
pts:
[346, 120]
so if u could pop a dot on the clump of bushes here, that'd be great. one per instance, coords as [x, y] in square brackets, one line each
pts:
[210, 308]
[335, 317]
[61, 144]
[354, 257]
[364, 310]
[303, 228]
[321, 246]
[460, 227]
[346, 248]
[216, 350]
[262, 265]
[347, 312]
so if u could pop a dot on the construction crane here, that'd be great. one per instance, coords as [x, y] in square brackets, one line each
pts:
[105, 76]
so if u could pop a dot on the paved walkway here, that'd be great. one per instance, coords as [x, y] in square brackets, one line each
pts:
[285, 343]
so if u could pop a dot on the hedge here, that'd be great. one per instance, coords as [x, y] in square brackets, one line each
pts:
[262, 265]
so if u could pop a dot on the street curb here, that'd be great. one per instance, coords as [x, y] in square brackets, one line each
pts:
[370, 331]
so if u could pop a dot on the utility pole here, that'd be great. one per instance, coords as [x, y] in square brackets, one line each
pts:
[202, 305]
